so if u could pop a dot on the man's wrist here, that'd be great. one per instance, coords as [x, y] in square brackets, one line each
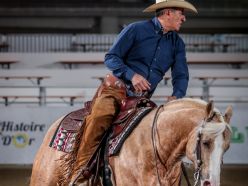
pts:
[129, 75]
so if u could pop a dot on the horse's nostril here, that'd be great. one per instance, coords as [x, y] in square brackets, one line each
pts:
[206, 183]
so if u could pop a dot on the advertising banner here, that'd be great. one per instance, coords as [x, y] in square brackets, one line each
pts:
[22, 131]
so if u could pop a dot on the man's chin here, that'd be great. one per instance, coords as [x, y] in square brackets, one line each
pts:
[178, 28]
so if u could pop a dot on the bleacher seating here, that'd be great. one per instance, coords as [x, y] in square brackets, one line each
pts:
[52, 83]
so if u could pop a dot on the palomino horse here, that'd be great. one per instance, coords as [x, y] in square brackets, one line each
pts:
[152, 154]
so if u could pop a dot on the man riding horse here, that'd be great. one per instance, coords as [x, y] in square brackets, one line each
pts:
[141, 55]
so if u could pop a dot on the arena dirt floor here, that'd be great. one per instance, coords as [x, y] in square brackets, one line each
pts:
[232, 175]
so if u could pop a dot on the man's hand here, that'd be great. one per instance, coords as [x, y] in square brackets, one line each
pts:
[140, 84]
[170, 98]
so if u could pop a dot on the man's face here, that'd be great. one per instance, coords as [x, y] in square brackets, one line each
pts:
[177, 17]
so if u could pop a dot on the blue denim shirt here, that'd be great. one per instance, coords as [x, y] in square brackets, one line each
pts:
[142, 48]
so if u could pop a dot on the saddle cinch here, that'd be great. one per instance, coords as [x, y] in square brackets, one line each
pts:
[132, 110]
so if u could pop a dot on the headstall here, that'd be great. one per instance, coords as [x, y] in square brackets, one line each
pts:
[197, 173]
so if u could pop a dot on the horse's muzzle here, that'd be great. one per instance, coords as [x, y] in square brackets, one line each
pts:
[206, 183]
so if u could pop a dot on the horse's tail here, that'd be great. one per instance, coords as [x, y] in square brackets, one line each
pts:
[67, 161]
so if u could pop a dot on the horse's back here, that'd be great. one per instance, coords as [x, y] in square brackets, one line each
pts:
[45, 164]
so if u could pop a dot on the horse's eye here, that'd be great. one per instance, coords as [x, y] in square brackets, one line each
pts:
[206, 143]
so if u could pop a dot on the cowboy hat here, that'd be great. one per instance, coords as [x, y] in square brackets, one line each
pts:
[171, 4]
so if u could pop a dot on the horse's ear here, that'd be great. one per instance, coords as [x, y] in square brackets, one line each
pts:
[228, 114]
[210, 109]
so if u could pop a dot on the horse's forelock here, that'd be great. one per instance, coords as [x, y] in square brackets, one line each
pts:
[215, 128]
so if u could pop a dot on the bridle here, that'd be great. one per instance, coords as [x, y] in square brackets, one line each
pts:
[198, 154]
[197, 173]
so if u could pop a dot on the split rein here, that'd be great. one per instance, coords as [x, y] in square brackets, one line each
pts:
[197, 173]
[155, 150]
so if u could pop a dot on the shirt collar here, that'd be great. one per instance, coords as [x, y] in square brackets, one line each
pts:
[157, 26]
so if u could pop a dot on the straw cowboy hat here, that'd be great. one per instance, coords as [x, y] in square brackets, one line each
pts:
[171, 4]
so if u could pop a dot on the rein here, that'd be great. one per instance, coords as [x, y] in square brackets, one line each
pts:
[155, 150]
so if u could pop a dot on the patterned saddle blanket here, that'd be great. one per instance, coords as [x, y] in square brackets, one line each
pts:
[132, 110]
[69, 129]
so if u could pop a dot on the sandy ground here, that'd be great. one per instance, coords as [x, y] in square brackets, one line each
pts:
[231, 175]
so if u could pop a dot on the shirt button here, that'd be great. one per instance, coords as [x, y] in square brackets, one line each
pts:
[155, 59]
[151, 70]
[158, 48]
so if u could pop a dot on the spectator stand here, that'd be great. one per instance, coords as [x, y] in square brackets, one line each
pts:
[208, 81]
[72, 64]
[25, 99]
[6, 64]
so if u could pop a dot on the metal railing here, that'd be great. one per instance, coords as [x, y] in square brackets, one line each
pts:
[102, 42]
[43, 98]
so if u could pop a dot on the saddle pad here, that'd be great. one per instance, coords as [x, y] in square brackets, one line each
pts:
[116, 141]
[63, 140]
[68, 130]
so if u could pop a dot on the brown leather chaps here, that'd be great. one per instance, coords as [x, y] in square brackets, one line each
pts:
[105, 107]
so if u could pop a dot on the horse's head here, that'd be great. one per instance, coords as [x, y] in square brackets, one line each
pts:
[207, 144]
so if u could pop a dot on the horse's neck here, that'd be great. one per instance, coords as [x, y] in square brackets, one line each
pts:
[172, 132]
[174, 129]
